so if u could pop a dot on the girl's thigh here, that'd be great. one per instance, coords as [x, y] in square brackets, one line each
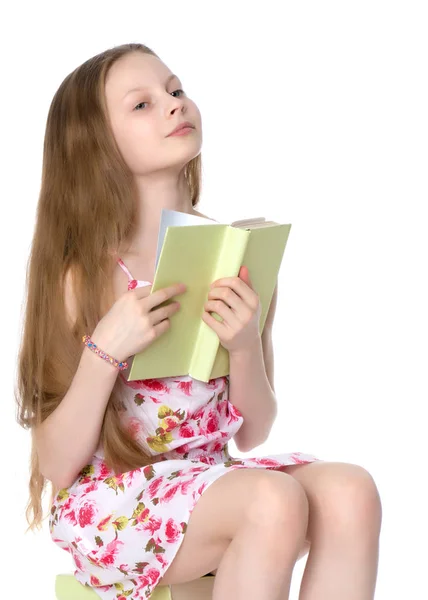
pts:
[239, 497]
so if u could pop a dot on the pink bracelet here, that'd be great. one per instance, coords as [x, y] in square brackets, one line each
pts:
[90, 344]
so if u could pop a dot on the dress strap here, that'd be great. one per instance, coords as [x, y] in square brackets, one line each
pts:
[125, 268]
[132, 283]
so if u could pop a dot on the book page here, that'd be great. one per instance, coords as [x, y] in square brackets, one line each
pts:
[258, 225]
[245, 222]
[175, 217]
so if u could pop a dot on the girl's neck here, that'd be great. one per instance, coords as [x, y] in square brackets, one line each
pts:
[143, 246]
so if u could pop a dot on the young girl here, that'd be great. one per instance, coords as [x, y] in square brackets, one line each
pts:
[145, 492]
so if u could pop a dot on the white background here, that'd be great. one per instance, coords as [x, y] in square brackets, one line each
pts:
[314, 114]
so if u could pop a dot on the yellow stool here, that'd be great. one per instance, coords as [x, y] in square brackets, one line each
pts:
[68, 588]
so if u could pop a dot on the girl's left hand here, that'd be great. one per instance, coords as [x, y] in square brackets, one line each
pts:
[236, 302]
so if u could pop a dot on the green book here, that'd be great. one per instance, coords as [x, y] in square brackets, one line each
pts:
[198, 251]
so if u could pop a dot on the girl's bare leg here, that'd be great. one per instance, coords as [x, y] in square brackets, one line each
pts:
[260, 559]
[249, 526]
[345, 517]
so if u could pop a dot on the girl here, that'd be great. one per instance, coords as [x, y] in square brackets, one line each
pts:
[144, 490]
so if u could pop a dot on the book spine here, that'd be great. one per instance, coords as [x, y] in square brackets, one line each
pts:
[229, 262]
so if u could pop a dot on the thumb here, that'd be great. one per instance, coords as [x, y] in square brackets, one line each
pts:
[244, 274]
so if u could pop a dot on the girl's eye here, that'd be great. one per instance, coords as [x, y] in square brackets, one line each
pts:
[140, 103]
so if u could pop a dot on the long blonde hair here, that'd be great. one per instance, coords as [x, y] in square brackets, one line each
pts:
[86, 210]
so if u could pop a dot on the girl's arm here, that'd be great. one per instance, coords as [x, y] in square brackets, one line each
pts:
[251, 392]
[251, 388]
[68, 438]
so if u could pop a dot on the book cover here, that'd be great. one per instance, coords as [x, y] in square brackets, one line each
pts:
[263, 256]
[197, 251]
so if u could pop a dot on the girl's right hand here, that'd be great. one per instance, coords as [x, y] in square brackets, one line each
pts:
[131, 325]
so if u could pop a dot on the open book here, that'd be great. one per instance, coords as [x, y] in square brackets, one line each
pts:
[197, 251]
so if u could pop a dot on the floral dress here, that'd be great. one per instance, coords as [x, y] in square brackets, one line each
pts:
[123, 531]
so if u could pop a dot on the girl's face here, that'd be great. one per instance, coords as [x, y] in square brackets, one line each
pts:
[145, 103]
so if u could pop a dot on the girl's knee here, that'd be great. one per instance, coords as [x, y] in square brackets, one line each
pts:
[279, 500]
[351, 500]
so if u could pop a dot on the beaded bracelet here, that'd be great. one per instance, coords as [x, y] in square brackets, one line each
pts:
[90, 344]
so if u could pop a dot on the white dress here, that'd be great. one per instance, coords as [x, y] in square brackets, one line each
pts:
[124, 531]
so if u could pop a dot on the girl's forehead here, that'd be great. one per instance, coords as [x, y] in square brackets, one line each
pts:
[133, 71]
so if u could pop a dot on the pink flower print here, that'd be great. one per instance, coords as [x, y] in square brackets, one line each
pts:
[235, 413]
[170, 492]
[222, 406]
[154, 487]
[90, 488]
[203, 486]
[60, 541]
[131, 474]
[142, 517]
[170, 423]
[76, 559]
[267, 462]
[152, 384]
[104, 471]
[95, 582]
[199, 413]
[198, 493]
[153, 524]
[182, 449]
[172, 531]
[186, 431]
[104, 523]
[87, 513]
[212, 422]
[185, 485]
[218, 447]
[71, 517]
[151, 577]
[109, 556]
[134, 427]
[156, 385]
[196, 470]
[185, 387]
[161, 560]
[132, 284]
[85, 479]
[296, 458]
[67, 504]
